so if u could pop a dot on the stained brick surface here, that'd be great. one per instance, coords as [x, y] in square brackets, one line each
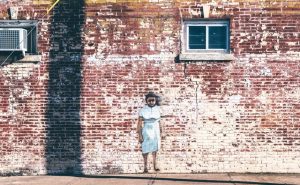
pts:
[76, 110]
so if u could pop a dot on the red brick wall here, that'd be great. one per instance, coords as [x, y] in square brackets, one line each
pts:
[76, 110]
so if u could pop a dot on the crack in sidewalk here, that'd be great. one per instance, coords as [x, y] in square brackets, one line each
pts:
[152, 180]
[228, 174]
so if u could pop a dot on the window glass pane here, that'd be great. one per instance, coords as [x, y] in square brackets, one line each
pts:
[197, 36]
[217, 37]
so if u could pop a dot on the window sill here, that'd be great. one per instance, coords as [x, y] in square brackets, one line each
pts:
[31, 59]
[206, 57]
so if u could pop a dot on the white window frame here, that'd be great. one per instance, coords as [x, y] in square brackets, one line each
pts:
[206, 23]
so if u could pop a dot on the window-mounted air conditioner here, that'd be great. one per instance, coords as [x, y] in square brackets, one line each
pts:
[13, 39]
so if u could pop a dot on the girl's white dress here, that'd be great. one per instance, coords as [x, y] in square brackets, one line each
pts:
[151, 130]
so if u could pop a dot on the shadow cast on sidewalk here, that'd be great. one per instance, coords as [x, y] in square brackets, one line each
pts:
[179, 179]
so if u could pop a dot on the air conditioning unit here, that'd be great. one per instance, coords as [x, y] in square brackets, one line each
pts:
[13, 39]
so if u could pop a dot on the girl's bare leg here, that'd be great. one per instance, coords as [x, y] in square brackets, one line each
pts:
[154, 162]
[145, 156]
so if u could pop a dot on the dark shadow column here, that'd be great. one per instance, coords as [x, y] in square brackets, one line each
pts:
[63, 150]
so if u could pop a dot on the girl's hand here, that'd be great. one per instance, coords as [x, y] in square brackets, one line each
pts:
[141, 139]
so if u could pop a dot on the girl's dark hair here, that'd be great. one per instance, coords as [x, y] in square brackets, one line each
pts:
[150, 95]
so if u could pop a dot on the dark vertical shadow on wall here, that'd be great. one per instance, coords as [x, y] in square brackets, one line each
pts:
[63, 150]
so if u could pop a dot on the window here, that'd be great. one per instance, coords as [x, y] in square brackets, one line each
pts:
[28, 35]
[30, 26]
[206, 37]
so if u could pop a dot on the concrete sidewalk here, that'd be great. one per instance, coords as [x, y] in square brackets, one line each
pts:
[156, 179]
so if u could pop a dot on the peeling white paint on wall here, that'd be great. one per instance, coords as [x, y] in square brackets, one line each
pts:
[266, 71]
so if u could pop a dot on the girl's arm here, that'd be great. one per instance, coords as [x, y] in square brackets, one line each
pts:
[139, 129]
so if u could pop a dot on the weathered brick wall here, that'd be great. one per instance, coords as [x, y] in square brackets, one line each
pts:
[76, 110]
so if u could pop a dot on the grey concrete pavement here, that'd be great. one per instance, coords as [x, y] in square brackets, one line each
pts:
[156, 179]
